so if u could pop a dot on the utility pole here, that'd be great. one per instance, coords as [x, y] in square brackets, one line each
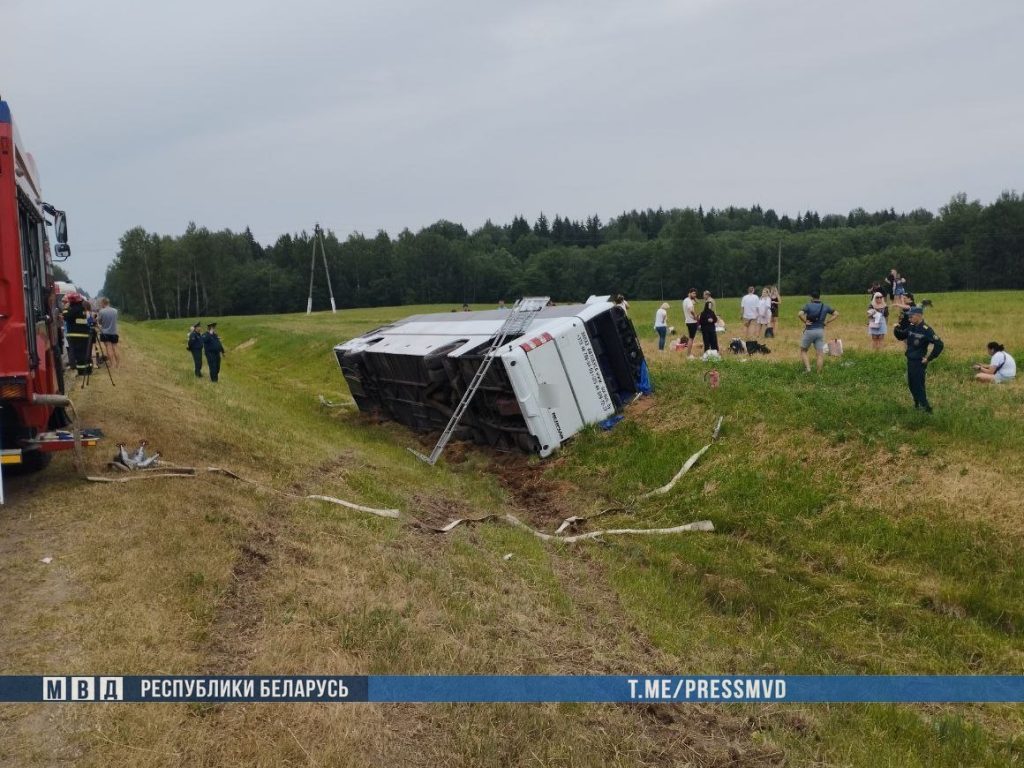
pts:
[318, 237]
[778, 280]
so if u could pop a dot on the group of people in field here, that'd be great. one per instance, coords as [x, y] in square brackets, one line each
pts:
[759, 316]
[91, 334]
[699, 315]
[891, 303]
[922, 343]
[206, 342]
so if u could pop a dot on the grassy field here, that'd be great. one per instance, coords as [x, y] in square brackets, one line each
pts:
[854, 535]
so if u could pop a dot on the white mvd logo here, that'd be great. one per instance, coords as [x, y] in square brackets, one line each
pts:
[83, 689]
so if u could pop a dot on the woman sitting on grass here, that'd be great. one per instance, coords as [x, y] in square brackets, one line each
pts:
[1000, 369]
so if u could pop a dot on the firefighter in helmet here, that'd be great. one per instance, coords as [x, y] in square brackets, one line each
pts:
[79, 334]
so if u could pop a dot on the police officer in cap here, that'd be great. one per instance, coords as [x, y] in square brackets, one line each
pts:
[919, 336]
[214, 350]
[195, 346]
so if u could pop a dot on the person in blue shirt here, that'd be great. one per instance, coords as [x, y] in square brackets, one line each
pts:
[815, 315]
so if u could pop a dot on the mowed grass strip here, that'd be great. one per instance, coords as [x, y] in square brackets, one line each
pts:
[853, 535]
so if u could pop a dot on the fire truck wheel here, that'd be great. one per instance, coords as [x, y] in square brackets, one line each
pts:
[34, 461]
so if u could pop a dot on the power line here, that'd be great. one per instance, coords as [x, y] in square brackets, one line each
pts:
[318, 237]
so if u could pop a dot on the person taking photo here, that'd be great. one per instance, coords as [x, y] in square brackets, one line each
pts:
[919, 337]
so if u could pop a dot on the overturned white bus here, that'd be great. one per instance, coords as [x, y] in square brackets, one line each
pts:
[573, 365]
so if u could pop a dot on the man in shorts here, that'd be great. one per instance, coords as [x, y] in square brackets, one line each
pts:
[690, 318]
[107, 319]
[815, 315]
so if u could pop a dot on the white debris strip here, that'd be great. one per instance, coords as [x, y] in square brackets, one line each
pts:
[688, 465]
[392, 513]
[569, 524]
[686, 468]
[700, 525]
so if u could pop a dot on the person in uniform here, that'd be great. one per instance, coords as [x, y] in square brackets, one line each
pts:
[919, 336]
[195, 346]
[214, 350]
[79, 334]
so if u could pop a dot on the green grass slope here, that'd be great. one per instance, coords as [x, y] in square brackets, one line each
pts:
[853, 536]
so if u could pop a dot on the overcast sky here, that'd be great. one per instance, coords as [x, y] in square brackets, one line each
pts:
[394, 114]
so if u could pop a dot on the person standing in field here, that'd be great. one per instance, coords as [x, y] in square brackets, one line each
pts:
[708, 297]
[764, 313]
[107, 319]
[776, 300]
[877, 326]
[214, 349]
[1001, 367]
[661, 325]
[891, 281]
[815, 316]
[708, 326]
[748, 312]
[691, 319]
[195, 346]
[899, 285]
[919, 336]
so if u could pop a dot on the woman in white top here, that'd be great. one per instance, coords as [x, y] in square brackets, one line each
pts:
[877, 327]
[764, 313]
[661, 325]
[1000, 369]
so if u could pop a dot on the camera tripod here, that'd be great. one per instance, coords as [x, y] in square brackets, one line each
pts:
[100, 356]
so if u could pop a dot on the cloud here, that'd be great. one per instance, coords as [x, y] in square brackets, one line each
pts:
[388, 114]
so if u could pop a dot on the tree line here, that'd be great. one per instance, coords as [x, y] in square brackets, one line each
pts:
[650, 254]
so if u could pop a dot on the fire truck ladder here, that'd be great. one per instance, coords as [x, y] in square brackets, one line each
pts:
[519, 319]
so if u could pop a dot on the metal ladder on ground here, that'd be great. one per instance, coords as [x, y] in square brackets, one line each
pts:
[518, 320]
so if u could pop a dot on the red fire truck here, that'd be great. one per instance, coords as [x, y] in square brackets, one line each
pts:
[33, 415]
